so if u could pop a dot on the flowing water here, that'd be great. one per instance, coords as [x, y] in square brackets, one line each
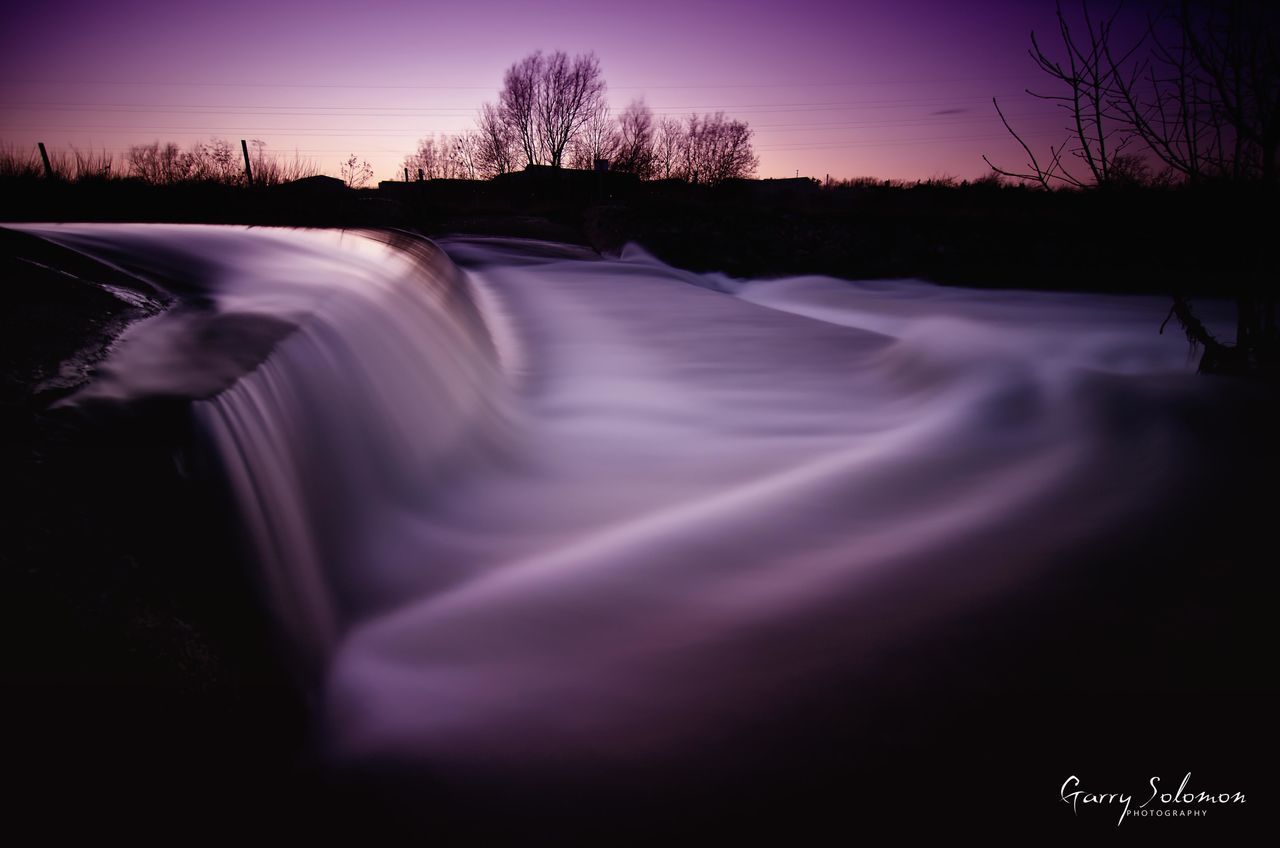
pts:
[521, 508]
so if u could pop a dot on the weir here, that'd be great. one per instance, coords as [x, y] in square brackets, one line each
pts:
[519, 507]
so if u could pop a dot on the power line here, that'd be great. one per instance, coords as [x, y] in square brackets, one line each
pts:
[358, 86]
[370, 132]
[774, 147]
[292, 131]
[392, 111]
[895, 141]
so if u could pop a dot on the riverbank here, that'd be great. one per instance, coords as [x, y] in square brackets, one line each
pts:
[138, 671]
[1211, 242]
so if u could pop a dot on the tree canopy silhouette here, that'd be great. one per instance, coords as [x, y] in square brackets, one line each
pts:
[547, 99]
[1199, 96]
[552, 111]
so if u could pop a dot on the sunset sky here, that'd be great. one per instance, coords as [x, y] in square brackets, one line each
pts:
[880, 88]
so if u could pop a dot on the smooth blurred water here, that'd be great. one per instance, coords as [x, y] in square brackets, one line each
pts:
[560, 511]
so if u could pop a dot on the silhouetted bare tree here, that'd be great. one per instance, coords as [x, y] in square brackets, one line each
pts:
[1210, 110]
[1205, 97]
[498, 147]
[597, 139]
[715, 149]
[466, 153]
[1096, 133]
[1200, 92]
[424, 160]
[635, 154]
[447, 157]
[546, 100]
[518, 102]
[355, 172]
[570, 92]
[667, 143]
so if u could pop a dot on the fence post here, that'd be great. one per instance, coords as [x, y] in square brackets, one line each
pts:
[406, 175]
[248, 171]
[44, 157]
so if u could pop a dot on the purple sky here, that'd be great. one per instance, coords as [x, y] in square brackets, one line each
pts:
[880, 88]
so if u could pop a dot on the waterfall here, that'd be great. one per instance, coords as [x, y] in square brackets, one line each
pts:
[517, 506]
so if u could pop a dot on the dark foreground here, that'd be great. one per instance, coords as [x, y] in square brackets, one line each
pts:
[1213, 241]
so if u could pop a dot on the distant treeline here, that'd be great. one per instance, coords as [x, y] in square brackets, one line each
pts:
[217, 161]
[552, 110]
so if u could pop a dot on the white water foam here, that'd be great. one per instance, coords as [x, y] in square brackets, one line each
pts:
[556, 510]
